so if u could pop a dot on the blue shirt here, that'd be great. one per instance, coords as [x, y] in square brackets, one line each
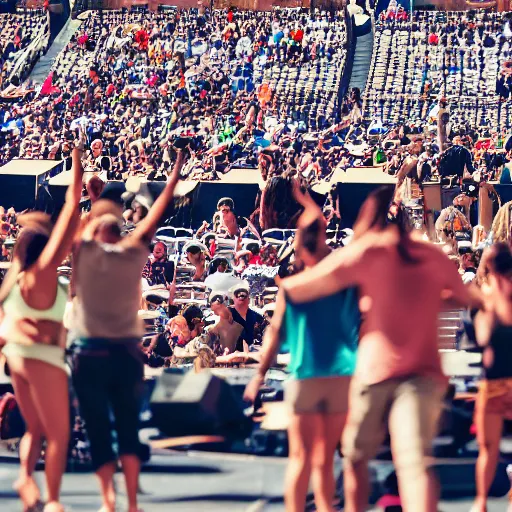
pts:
[322, 335]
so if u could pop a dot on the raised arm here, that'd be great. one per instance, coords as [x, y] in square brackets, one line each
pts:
[147, 227]
[61, 238]
[340, 270]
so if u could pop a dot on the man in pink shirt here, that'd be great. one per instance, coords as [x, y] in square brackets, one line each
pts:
[398, 380]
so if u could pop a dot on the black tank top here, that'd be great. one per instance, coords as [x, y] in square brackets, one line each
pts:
[501, 343]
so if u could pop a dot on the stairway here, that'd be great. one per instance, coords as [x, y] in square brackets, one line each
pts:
[449, 323]
[362, 61]
[43, 67]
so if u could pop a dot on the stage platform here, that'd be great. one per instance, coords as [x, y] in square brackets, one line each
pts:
[193, 481]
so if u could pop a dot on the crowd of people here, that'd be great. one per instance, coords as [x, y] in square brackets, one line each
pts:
[24, 40]
[455, 55]
[144, 84]
[135, 94]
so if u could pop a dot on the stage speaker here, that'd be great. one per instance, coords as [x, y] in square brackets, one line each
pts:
[197, 404]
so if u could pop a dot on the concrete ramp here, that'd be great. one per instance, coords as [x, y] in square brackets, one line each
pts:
[44, 66]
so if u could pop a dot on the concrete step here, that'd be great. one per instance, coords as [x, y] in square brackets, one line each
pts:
[43, 67]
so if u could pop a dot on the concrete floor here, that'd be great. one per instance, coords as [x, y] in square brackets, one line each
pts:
[210, 482]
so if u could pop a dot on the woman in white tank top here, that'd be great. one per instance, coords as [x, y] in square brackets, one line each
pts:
[32, 311]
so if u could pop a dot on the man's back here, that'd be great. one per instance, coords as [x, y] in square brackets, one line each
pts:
[399, 332]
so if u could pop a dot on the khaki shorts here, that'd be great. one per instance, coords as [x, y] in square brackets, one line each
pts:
[411, 406]
[323, 395]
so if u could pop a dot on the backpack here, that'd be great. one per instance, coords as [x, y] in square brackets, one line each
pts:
[11, 421]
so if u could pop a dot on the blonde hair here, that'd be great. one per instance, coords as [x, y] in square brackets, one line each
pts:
[178, 326]
[205, 359]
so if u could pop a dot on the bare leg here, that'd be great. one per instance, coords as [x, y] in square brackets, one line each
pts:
[356, 485]
[30, 445]
[131, 470]
[49, 388]
[300, 439]
[105, 475]
[327, 436]
[489, 427]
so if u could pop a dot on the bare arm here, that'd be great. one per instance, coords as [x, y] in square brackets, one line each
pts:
[147, 227]
[457, 291]
[253, 229]
[341, 269]
[61, 238]
[484, 324]
[271, 342]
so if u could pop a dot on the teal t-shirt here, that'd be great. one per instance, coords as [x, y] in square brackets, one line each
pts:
[322, 336]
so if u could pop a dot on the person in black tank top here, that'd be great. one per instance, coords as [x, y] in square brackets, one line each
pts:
[493, 327]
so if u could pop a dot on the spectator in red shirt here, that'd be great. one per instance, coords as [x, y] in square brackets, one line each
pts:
[433, 39]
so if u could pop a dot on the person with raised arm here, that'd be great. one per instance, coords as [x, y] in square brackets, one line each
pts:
[322, 337]
[107, 363]
[32, 311]
[398, 380]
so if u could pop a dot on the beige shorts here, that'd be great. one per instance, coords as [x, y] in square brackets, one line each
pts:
[323, 395]
[410, 406]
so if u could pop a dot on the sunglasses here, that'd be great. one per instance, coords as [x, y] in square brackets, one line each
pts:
[218, 298]
[241, 296]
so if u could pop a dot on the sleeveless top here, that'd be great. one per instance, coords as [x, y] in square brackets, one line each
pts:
[15, 308]
[322, 335]
[108, 291]
[501, 343]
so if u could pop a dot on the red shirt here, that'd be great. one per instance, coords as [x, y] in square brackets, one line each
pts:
[433, 39]
[255, 260]
[298, 35]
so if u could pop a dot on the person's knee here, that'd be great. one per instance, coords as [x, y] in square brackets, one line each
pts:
[355, 465]
[489, 446]
[322, 462]
[300, 457]
[59, 432]
[34, 430]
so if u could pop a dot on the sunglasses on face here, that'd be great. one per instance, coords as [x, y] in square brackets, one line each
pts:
[241, 296]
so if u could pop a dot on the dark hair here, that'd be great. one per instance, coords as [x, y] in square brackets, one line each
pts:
[227, 201]
[386, 213]
[279, 206]
[191, 313]
[500, 260]
[29, 246]
[194, 249]
[310, 236]
[254, 248]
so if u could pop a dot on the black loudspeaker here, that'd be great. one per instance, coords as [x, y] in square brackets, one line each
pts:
[197, 404]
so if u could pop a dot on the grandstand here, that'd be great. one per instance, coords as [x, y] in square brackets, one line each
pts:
[456, 55]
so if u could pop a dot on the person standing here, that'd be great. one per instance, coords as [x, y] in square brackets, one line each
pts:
[493, 328]
[248, 318]
[33, 305]
[321, 336]
[107, 364]
[398, 378]
[443, 118]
